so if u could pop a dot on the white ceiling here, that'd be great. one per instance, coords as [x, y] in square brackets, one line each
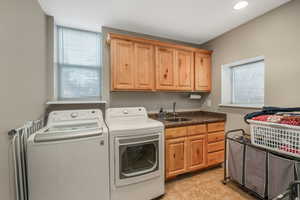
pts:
[188, 20]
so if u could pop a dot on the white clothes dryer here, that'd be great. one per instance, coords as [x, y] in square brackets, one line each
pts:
[136, 154]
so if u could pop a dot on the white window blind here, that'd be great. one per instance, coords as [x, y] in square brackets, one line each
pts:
[243, 83]
[248, 84]
[79, 64]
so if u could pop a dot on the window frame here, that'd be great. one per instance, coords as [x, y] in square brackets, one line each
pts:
[227, 95]
[58, 65]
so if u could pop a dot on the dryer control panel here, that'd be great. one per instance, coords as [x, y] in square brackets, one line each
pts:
[115, 113]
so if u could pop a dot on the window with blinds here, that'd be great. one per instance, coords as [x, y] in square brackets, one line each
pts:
[243, 83]
[79, 64]
[248, 83]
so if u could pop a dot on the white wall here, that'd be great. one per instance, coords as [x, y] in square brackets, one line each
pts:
[22, 74]
[276, 36]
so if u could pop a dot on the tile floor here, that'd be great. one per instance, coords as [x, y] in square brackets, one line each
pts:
[204, 185]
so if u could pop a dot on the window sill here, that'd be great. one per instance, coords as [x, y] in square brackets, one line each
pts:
[76, 102]
[241, 106]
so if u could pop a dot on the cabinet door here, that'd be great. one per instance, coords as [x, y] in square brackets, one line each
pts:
[184, 70]
[176, 156]
[165, 68]
[122, 64]
[197, 154]
[202, 72]
[144, 66]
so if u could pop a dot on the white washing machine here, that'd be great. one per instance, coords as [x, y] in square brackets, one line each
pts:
[68, 159]
[136, 154]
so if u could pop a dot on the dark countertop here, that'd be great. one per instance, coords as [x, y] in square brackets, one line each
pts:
[197, 117]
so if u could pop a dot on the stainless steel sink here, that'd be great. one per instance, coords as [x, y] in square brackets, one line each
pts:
[177, 119]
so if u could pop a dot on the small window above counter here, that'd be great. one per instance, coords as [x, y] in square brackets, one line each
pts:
[139, 64]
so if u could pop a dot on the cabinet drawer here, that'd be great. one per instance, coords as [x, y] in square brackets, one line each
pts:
[215, 158]
[216, 146]
[213, 127]
[176, 132]
[197, 129]
[215, 137]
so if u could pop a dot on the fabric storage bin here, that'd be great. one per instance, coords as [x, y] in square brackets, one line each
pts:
[281, 173]
[256, 170]
[235, 161]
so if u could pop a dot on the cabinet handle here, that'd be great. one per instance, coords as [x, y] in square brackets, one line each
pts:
[201, 61]
[174, 155]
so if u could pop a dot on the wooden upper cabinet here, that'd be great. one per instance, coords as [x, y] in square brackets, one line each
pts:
[139, 64]
[184, 70]
[132, 65]
[122, 64]
[165, 68]
[202, 72]
[144, 66]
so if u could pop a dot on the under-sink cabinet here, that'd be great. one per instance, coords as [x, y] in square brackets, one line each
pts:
[190, 148]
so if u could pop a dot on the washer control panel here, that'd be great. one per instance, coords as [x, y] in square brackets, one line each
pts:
[74, 115]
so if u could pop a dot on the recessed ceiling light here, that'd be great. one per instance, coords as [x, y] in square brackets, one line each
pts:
[240, 5]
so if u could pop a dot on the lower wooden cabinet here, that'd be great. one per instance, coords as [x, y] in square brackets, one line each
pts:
[191, 148]
[215, 158]
[197, 156]
[216, 146]
[176, 156]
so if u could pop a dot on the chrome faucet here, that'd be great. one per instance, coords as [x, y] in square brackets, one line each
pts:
[174, 109]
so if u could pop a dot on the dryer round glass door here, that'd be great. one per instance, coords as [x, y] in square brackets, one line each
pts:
[136, 157]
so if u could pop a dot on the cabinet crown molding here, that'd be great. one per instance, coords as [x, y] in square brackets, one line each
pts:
[155, 42]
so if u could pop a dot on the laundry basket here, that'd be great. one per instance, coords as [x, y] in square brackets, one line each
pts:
[281, 138]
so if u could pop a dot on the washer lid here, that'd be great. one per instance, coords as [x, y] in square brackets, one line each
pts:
[55, 136]
[67, 131]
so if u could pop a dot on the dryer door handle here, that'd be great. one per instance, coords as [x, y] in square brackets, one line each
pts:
[140, 172]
